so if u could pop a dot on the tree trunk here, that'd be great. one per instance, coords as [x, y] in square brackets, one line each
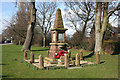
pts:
[100, 30]
[104, 27]
[29, 37]
[98, 38]
[104, 24]
[84, 27]
[30, 30]
[97, 58]
[44, 41]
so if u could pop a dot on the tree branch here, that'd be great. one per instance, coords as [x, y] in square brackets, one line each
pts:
[115, 9]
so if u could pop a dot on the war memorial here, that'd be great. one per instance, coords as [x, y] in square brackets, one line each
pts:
[58, 55]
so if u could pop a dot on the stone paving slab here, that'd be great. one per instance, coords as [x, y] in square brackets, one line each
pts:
[74, 67]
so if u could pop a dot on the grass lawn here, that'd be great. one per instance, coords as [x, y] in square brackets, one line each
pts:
[13, 68]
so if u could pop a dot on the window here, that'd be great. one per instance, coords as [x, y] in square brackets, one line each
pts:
[60, 36]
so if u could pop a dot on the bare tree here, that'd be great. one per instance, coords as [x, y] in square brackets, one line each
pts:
[101, 24]
[17, 26]
[81, 14]
[31, 26]
[45, 17]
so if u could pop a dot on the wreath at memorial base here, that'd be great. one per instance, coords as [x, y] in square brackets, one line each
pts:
[57, 55]
[61, 53]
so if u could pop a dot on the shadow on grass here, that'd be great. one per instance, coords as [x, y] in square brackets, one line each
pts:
[40, 50]
[89, 55]
[102, 62]
[4, 76]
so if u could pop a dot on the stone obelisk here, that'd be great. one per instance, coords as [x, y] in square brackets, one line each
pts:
[58, 35]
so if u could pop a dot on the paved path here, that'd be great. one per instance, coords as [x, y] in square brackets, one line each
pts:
[6, 44]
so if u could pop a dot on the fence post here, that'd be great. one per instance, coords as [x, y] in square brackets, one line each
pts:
[77, 60]
[31, 57]
[81, 56]
[25, 55]
[41, 62]
[66, 61]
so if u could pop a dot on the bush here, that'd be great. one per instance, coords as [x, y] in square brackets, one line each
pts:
[112, 47]
[79, 41]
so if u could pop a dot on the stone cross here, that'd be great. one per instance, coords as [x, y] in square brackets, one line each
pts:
[25, 55]
[41, 62]
[97, 58]
[31, 57]
[81, 56]
[77, 60]
[66, 61]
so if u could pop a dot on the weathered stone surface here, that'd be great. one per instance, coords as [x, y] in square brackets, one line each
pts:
[97, 58]
[53, 50]
[25, 55]
[81, 56]
[66, 61]
[77, 60]
[58, 20]
[31, 57]
[58, 36]
[41, 62]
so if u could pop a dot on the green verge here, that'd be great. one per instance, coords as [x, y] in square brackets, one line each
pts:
[13, 68]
